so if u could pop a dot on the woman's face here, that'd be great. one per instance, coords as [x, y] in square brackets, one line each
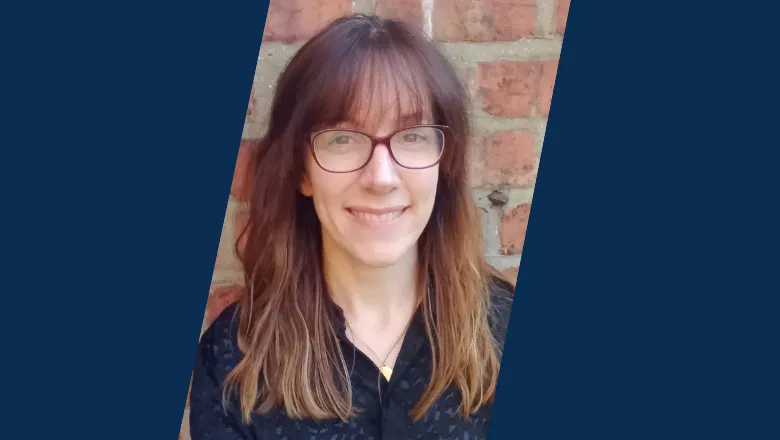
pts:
[376, 214]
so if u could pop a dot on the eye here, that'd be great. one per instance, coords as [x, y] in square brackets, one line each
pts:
[413, 137]
[341, 140]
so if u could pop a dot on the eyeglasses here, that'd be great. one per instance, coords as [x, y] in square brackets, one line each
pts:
[344, 151]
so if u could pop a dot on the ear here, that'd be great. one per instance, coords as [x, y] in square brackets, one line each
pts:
[306, 188]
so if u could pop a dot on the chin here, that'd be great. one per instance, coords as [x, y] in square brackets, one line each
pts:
[377, 257]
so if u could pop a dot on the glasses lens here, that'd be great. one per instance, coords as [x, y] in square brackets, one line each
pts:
[341, 150]
[418, 147]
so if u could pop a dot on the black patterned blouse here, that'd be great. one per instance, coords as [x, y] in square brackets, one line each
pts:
[385, 412]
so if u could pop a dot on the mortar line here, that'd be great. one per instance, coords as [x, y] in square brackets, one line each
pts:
[427, 7]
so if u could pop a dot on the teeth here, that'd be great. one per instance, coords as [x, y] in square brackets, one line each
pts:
[385, 217]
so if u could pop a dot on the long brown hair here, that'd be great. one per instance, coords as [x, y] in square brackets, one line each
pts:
[292, 357]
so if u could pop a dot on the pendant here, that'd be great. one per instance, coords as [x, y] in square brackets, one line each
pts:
[386, 372]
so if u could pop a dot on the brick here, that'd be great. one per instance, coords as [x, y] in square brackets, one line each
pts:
[410, 11]
[512, 230]
[226, 251]
[240, 186]
[220, 298]
[511, 274]
[476, 161]
[483, 20]
[189, 393]
[289, 21]
[270, 64]
[240, 218]
[561, 14]
[546, 85]
[508, 158]
[252, 105]
[508, 88]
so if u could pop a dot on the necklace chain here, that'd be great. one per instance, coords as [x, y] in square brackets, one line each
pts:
[384, 368]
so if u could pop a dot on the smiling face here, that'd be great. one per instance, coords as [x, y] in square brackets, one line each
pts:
[375, 215]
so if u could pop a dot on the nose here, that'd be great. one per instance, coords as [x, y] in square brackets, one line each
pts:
[380, 174]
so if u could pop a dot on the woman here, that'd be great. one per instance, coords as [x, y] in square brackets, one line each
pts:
[370, 312]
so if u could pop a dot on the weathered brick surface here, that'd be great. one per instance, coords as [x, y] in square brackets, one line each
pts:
[240, 186]
[507, 158]
[510, 159]
[289, 21]
[561, 15]
[513, 227]
[240, 218]
[484, 20]
[189, 393]
[549, 71]
[516, 89]
[511, 273]
[508, 88]
[501, 49]
[410, 11]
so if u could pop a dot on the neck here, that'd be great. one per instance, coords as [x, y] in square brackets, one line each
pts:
[377, 295]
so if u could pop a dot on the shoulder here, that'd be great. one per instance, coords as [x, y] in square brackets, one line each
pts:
[218, 351]
[501, 300]
[501, 292]
[217, 355]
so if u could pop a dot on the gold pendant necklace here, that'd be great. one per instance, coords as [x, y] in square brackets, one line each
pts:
[386, 371]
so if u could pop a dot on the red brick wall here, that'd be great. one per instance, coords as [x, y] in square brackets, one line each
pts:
[506, 52]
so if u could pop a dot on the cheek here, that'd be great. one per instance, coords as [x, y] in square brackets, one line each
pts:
[316, 180]
[328, 190]
[423, 186]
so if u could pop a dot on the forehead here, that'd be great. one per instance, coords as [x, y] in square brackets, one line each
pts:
[388, 107]
[382, 93]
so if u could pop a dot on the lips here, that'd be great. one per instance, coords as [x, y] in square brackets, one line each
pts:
[377, 216]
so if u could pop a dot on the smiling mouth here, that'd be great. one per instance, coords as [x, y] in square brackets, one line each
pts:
[374, 216]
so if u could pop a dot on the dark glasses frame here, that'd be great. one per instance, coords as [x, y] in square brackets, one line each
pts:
[385, 140]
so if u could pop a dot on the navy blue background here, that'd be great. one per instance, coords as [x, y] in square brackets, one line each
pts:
[647, 296]
[131, 119]
[646, 299]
